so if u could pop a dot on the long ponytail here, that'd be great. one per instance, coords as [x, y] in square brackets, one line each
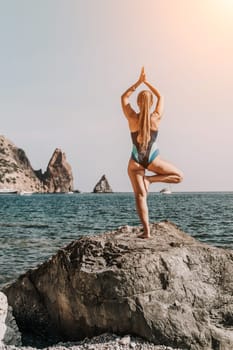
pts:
[145, 101]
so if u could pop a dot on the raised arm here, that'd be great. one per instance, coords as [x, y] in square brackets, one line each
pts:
[160, 99]
[127, 109]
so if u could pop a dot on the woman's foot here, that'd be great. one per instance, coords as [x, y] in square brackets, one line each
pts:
[144, 235]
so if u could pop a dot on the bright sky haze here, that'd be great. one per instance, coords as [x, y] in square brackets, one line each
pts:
[65, 63]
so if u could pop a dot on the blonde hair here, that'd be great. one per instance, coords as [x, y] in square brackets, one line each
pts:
[145, 101]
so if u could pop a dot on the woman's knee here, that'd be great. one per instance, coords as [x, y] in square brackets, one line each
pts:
[140, 196]
[179, 176]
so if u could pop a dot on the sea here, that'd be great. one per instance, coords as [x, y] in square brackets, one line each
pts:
[34, 227]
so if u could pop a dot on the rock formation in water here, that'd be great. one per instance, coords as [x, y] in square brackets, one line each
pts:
[102, 186]
[9, 332]
[58, 176]
[16, 172]
[170, 289]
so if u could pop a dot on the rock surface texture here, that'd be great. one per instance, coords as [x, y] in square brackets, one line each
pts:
[9, 332]
[102, 186]
[101, 342]
[16, 172]
[170, 289]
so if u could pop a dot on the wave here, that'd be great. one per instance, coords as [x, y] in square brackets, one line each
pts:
[15, 224]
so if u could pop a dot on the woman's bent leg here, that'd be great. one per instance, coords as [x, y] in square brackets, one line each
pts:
[165, 172]
[136, 175]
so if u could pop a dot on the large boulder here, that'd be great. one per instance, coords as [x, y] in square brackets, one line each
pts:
[170, 289]
[102, 186]
[9, 332]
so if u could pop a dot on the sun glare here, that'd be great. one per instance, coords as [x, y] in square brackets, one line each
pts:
[221, 9]
[228, 2]
[224, 4]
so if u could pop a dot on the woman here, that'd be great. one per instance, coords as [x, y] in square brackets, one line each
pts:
[145, 155]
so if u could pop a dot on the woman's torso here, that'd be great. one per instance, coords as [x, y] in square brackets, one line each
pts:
[145, 157]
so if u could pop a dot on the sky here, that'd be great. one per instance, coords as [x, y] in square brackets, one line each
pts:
[65, 63]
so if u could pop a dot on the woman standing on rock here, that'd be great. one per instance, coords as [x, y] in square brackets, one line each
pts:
[145, 154]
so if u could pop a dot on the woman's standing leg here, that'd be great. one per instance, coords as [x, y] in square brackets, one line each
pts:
[136, 174]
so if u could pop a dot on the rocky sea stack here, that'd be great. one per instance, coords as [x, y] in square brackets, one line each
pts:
[102, 186]
[16, 172]
[58, 177]
[170, 289]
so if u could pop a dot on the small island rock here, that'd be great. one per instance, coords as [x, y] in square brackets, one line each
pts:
[102, 186]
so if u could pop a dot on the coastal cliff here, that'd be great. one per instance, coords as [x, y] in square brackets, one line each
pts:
[16, 172]
[169, 289]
